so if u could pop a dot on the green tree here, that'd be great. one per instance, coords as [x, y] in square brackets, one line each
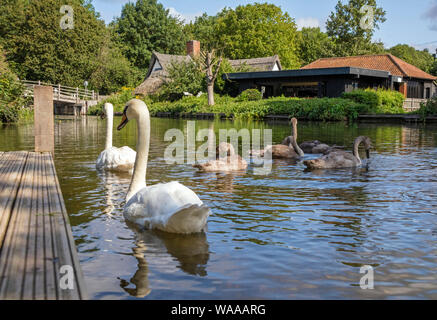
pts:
[12, 99]
[257, 30]
[146, 26]
[40, 49]
[183, 77]
[203, 29]
[345, 28]
[433, 69]
[421, 59]
[114, 70]
[225, 86]
[314, 44]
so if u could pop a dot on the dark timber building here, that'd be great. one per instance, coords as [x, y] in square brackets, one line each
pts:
[330, 77]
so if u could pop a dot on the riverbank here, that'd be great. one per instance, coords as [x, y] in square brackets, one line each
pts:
[252, 106]
[377, 118]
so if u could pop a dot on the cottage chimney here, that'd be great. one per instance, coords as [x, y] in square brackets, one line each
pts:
[193, 48]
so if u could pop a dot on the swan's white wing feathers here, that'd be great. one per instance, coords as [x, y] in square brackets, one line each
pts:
[120, 159]
[170, 207]
[189, 219]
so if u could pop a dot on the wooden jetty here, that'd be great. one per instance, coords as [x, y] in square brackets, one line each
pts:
[38, 258]
[37, 249]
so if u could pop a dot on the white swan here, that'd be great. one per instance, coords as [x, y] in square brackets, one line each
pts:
[112, 158]
[170, 207]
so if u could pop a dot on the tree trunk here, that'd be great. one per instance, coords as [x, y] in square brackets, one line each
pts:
[209, 77]
[210, 94]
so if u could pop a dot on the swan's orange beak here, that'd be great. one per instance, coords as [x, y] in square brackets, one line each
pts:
[123, 122]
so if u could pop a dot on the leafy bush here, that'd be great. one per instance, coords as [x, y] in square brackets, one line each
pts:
[390, 101]
[366, 97]
[250, 95]
[380, 101]
[428, 109]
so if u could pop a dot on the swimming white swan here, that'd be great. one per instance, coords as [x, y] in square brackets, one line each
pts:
[112, 158]
[340, 158]
[231, 162]
[170, 207]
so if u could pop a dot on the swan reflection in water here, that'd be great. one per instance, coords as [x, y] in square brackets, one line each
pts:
[190, 251]
[115, 185]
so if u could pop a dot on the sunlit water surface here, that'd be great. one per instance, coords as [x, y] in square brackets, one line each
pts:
[291, 234]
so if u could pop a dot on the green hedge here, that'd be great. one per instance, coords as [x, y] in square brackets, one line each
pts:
[326, 109]
[379, 101]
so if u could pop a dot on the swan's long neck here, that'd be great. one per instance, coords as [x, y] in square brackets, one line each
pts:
[355, 151]
[139, 176]
[295, 145]
[109, 124]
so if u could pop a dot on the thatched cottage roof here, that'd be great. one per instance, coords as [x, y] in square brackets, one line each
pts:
[159, 64]
[157, 73]
[165, 61]
[259, 64]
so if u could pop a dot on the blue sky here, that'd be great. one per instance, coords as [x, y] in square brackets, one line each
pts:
[410, 22]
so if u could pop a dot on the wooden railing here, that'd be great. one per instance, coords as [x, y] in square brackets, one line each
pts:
[62, 93]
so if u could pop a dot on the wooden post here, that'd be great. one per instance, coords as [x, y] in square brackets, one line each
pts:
[59, 92]
[44, 119]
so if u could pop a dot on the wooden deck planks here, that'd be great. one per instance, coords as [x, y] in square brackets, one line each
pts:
[11, 169]
[37, 238]
[12, 256]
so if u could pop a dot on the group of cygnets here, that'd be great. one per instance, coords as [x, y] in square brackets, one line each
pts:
[333, 156]
[172, 207]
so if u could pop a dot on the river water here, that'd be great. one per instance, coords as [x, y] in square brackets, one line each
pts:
[292, 234]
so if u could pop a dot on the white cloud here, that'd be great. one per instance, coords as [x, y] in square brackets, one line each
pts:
[307, 23]
[187, 17]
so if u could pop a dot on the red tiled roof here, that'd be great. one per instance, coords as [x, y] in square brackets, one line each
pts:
[385, 62]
